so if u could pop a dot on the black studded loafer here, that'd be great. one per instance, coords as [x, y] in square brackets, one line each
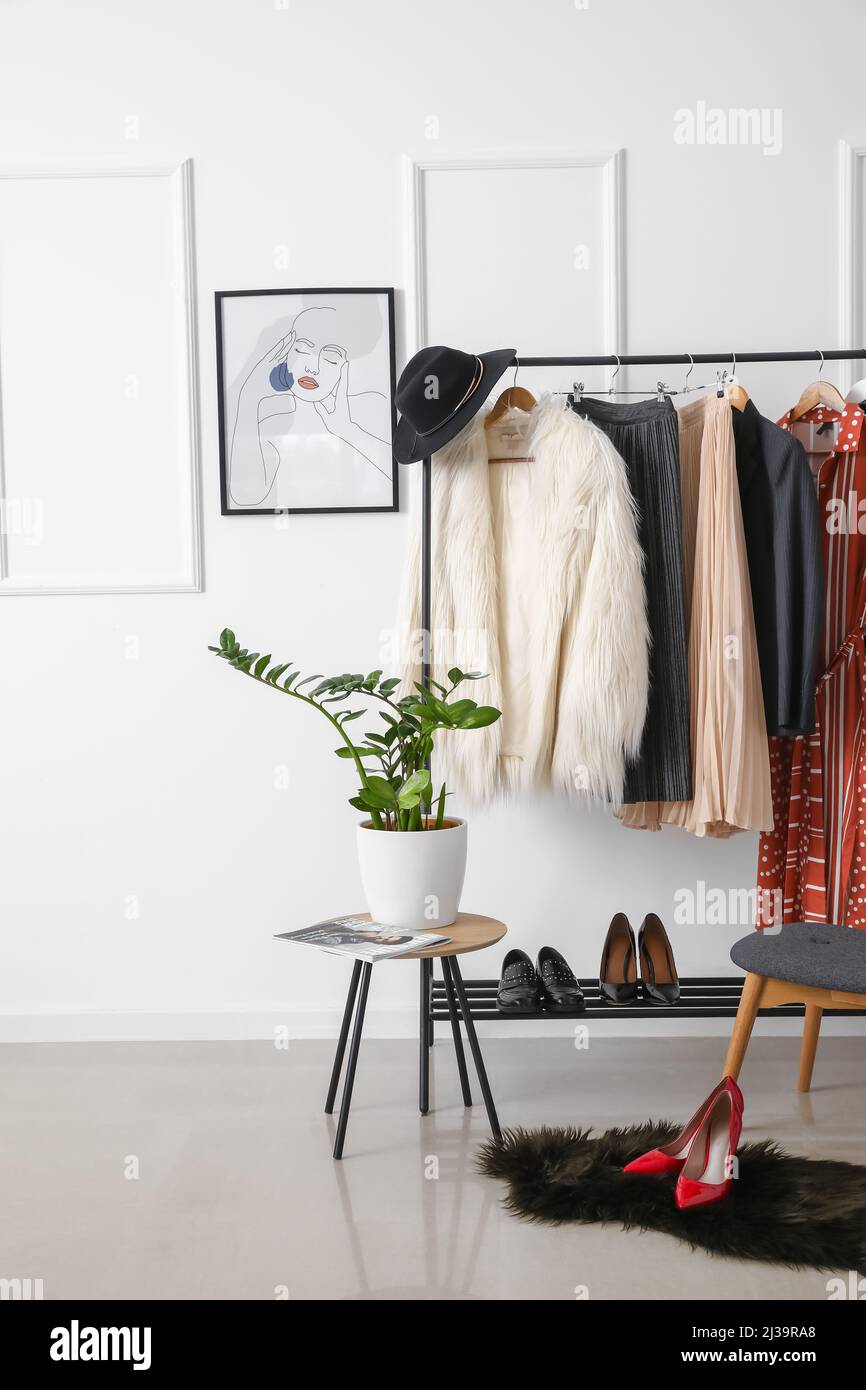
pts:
[519, 991]
[560, 992]
[661, 983]
[617, 975]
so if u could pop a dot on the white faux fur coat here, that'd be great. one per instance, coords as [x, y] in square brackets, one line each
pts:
[538, 582]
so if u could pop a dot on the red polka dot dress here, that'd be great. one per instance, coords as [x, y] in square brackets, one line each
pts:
[812, 865]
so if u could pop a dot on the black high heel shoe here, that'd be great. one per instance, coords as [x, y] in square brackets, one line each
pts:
[617, 974]
[661, 983]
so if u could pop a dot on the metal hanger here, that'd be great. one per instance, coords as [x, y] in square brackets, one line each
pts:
[730, 386]
[611, 389]
[578, 389]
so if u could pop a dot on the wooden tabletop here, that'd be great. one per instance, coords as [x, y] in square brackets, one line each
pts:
[470, 932]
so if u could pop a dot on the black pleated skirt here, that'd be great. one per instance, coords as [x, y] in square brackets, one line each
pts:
[645, 434]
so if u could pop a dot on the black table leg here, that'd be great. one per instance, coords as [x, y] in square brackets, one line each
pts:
[455, 1030]
[341, 1041]
[431, 1036]
[450, 963]
[346, 1101]
[424, 1039]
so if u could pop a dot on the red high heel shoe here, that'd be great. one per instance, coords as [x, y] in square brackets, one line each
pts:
[671, 1157]
[708, 1171]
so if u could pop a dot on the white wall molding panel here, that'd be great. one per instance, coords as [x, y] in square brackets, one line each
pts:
[852, 241]
[550, 226]
[99, 488]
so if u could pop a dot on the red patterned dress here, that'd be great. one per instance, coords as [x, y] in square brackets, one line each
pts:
[813, 862]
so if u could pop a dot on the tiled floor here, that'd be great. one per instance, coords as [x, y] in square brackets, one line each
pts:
[203, 1170]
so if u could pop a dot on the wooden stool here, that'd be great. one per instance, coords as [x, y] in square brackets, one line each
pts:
[469, 932]
[821, 967]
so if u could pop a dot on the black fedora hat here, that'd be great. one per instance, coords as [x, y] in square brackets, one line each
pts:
[439, 391]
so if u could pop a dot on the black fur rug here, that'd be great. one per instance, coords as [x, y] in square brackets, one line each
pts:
[799, 1212]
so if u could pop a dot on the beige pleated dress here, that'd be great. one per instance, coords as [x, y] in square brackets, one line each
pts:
[730, 754]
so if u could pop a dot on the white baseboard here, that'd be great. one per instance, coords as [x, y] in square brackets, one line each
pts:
[382, 1021]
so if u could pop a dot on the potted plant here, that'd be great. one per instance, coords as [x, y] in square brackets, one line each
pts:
[412, 856]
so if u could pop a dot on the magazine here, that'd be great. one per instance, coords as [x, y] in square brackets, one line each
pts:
[355, 936]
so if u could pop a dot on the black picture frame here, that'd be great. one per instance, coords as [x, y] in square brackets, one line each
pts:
[227, 506]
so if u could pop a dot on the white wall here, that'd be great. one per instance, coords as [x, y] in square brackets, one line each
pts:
[153, 778]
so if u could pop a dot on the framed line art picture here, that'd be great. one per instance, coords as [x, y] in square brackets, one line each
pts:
[306, 400]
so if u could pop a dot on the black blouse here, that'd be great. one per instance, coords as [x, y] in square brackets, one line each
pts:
[781, 519]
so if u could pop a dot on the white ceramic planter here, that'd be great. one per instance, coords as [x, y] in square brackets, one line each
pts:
[413, 879]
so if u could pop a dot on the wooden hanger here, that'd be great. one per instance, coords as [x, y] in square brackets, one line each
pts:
[514, 397]
[737, 394]
[819, 392]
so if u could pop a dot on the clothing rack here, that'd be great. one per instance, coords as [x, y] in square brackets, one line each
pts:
[705, 997]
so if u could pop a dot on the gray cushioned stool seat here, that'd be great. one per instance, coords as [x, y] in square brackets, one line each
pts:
[806, 953]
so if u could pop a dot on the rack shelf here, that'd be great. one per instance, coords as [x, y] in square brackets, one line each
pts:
[701, 997]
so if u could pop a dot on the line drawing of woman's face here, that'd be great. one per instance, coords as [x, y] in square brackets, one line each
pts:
[315, 360]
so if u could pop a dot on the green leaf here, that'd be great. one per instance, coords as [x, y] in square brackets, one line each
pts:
[479, 718]
[372, 679]
[328, 684]
[413, 789]
[419, 711]
[227, 639]
[348, 714]
[390, 684]
[458, 709]
[358, 803]
[307, 679]
[289, 681]
[373, 803]
[455, 675]
[274, 674]
[360, 750]
[377, 738]
[380, 793]
[417, 782]
[381, 787]
[262, 664]
[431, 711]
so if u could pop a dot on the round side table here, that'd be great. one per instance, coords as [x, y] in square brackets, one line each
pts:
[470, 932]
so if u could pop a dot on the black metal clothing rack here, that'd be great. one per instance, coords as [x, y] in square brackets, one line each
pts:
[703, 997]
